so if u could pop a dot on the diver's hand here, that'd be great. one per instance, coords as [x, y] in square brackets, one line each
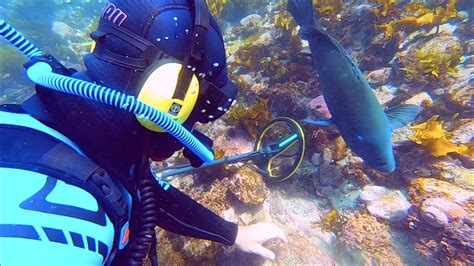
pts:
[250, 238]
[194, 160]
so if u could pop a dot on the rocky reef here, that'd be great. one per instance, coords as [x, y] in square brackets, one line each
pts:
[335, 209]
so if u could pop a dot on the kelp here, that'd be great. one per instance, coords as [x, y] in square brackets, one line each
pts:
[435, 139]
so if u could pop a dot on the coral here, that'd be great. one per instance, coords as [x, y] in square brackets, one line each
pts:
[248, 186]
[433, 138]
[365, 233]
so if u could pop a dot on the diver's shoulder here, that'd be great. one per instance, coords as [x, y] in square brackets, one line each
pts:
[14, 116]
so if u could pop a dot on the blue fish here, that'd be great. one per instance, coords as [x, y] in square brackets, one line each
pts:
[365, 126]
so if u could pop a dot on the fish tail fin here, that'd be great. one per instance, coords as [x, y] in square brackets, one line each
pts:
[302, 12]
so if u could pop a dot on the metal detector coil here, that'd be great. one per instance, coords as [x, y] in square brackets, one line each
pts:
[278, 152]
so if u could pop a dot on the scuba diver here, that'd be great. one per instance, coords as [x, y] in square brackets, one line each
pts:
[76, 185]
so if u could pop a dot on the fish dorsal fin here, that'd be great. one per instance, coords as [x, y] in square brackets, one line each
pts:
[401, 115]
[321, 122]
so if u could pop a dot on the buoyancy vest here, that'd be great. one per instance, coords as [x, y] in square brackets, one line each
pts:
[57, 206]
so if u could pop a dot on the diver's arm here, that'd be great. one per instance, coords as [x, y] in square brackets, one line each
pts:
[180, 214]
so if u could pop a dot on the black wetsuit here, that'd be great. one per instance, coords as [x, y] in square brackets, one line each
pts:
[115, 140]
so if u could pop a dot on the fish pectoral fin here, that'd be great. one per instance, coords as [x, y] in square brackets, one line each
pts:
[401, 115]
[321, 122]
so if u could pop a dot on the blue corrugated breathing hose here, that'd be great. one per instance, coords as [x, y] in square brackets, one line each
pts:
[41, 73]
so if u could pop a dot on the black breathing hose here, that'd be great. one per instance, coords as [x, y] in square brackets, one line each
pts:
[145, 235]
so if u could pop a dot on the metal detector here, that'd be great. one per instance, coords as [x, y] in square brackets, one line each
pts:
[278, 152]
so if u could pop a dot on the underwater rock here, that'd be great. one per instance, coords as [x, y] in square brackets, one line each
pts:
[285, 99]
[327, 156]
[295, 214]
[344, 197]
[301, 251]
[62, 29]
[423, 188]
[233, 142]
[457, 244]
[230, 215]
[468, 60]
[329, 175]
[379, 77]
[371, 193]
[248, 187]
[316, 159]
[461, 90]
[214, 197]
[426, 61]
[384, 94]
[319, 105]
[450, 169]
[258, 87]
[364, 233]
[439, 212]
[390, 205]
[464, 133]
[328, 238]
[422, 99]
[251, 20]
[246, 80]
[246, 218]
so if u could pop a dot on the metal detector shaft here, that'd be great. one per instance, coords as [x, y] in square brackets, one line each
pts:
[187, 168]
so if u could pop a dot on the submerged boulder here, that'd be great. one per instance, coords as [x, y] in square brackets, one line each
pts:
[440, 212]
[248, 187]
[422, 188]
[390, 205]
